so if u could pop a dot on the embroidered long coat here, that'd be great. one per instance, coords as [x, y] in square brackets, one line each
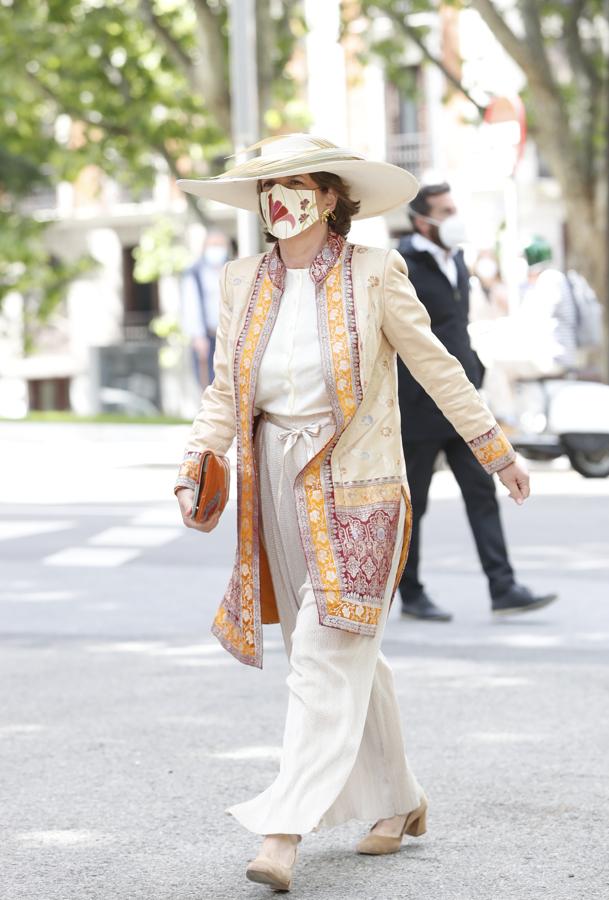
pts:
[348, 495]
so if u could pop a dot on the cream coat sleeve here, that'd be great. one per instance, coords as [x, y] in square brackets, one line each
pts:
[407, 327]
[213, 427]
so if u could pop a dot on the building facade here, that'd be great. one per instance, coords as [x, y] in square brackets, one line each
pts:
[99, 353]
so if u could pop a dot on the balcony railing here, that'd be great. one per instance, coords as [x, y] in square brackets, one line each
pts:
[409, 151]
[136, 327]
[40, 198]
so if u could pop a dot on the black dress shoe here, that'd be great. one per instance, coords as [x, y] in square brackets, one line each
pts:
[422, 607]
[520, 599]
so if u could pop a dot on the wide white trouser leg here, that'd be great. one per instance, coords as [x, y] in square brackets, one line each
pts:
[343, 753]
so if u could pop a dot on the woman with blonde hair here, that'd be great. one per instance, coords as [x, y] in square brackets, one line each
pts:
[305, 378]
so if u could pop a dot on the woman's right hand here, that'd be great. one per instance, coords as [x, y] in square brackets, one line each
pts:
[185, 498]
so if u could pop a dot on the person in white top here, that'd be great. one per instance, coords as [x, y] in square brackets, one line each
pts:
[306, 379]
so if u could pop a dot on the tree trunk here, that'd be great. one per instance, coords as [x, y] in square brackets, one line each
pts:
[209, 75]
[580, 181]
[264, 58]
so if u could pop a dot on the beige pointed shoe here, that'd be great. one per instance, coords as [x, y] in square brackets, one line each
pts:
[264, 870]
[415, 824]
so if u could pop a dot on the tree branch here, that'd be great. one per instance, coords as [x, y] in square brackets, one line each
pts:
[553, 119]
[190, 199]
[415, 36]
[531, 18]
[78, 115]
[109, 128]
[265, 38]
[173, 47]
[581, 62]
[205, 72]
[572, 39]
[590, 80]
[211, 77]
[514, 45]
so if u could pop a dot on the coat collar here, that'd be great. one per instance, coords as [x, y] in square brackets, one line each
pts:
[411, 250]
[325, 260]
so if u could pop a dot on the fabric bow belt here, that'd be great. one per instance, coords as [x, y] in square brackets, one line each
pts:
[291, 434]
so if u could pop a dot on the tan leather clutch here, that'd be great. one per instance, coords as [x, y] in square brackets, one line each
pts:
[211, 492]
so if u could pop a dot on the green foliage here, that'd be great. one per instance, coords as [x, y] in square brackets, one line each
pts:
[399, 15]
[126, 86]
[159, 252]
[406, 22]
[27, 268]
[572, 39]
[98, 62]
[561, 48]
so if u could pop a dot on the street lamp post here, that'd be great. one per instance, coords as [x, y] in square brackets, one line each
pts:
[244, 104]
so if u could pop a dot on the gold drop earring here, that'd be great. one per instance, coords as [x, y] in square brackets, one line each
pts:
[327, 214]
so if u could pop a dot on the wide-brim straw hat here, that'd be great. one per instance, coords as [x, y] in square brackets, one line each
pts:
[378, 186]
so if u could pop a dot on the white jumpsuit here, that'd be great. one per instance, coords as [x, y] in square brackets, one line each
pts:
[343, 751]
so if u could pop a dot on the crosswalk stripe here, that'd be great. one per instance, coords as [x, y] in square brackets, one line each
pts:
[10, 529]
[92, 557]
[128, 536]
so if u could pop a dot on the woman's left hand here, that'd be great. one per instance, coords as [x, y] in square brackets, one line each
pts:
[516, 479]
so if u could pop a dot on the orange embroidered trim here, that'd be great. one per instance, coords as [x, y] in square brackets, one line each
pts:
[237, 623]
[190, 469]
[318, 544]
[493, 450]
[314, 487]
[355, 494]
[189, 472]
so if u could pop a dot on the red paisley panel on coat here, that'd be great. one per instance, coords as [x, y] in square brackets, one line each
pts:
[366, 537]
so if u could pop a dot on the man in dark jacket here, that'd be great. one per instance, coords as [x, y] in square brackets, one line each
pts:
[441, 279]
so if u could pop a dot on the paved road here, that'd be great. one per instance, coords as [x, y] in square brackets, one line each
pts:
[125, 730]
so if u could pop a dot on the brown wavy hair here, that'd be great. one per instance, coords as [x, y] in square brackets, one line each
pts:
[345, 208]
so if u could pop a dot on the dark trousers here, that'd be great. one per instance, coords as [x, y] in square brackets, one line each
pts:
[478, 491]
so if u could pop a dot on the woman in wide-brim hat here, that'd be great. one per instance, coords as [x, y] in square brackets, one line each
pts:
[305, 378]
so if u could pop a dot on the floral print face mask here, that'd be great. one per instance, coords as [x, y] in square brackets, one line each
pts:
[287, 212]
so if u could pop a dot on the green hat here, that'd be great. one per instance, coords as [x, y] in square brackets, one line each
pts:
[538, 251]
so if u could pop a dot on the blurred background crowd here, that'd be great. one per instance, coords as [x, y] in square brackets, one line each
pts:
[108, 273]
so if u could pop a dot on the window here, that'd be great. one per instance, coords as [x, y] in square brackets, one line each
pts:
[407, 143]
[49, 394]
[140, 301]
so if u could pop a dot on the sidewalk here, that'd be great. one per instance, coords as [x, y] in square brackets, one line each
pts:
[125, 729]
[69, 462]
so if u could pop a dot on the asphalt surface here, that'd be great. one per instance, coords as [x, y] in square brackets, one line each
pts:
[125, 730]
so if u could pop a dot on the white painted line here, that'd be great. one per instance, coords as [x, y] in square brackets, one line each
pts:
[37, 596]
[63, 838]
[594, 636]
[127, 647]
[159, 515]
[91, 557]
[202, 663]
[11, 529]
[527, 641]
[194, 650]
[504, 737]
[134, 537]
[10, 730]
[250, 753]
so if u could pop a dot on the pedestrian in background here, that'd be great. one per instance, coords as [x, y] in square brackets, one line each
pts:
[548, 312]
[441, 279]
[489, 294]
[553, 333]
[201, 303]
[306, 379]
